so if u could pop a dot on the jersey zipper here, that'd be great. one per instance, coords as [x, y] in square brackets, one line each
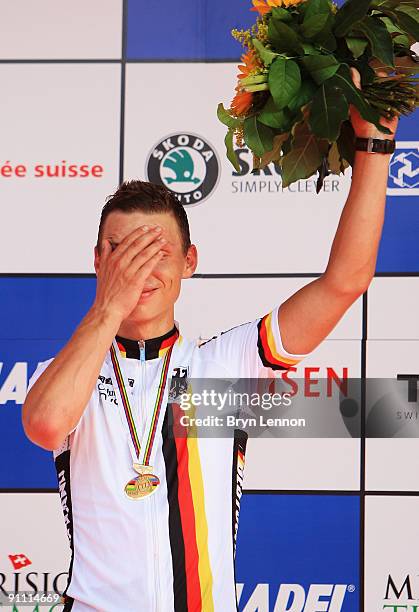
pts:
[141, 344]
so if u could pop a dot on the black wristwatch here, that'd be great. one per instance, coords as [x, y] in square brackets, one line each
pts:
[375, 145]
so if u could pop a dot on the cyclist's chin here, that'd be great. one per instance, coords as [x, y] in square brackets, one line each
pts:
[150, 306]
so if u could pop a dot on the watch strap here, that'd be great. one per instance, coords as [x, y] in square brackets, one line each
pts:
[375, 145]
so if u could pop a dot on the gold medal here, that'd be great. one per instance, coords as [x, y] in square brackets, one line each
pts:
[142, 486]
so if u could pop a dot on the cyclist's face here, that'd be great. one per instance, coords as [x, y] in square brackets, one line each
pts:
[162, 287]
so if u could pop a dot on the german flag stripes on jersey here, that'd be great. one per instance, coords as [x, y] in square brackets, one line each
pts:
[173, 550]
[271, 351]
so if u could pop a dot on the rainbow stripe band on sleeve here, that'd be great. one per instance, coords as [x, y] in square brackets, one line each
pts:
[268, 350]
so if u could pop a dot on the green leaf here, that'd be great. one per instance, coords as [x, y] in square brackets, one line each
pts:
[258, 137]
[314, 25]
[305, 94]
[316, 7]
[387, 13]
[328, 110]
[283, 38]
[409, 20]
[368, 75]
[357, 46]
[281, 14]
[309, 49]
[327, 40]
[304, 157]
[284, 81]
[279, 119]
[402, 39]
[316, 17]
[231, 153]
[351, 12]
[266, 55]
[325, 37]
[396, 3]
[343, 80]
[379, 38]
[320, 67]
[225, 117]
[390, 25]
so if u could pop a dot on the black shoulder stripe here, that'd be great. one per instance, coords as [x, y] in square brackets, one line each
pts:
[262, 352]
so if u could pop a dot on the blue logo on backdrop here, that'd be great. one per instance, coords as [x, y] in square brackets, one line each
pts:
[38, 317]
[22, 464]
[298, 553]
[399, 244]
[404, 170]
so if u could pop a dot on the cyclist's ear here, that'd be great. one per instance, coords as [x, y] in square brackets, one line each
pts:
[96, 258]
[106, 249]
[191, 262]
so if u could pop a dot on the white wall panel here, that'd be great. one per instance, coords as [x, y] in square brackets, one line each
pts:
[391, 543]
[392, 464]
[53, 113]
[387, 358]
[210, 305]
[393, 306]
[47, 29]
[318, 464]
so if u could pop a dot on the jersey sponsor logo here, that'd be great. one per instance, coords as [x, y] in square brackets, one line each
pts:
[178, 385]
[106, 391]
[295, 598]
[187, 165]
[108, 381]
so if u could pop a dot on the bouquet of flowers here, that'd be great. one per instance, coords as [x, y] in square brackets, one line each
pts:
[295, 86]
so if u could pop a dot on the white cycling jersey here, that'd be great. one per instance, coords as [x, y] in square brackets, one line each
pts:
[173, 550]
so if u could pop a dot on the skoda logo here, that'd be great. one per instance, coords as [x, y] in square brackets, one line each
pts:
[187, 165]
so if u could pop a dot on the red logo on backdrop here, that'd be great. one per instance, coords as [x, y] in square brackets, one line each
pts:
[19, 561]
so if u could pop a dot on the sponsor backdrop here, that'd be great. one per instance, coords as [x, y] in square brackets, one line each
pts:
[100, 91]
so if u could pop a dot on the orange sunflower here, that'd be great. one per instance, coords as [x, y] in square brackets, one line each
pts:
[243, 99]
[265, 6]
